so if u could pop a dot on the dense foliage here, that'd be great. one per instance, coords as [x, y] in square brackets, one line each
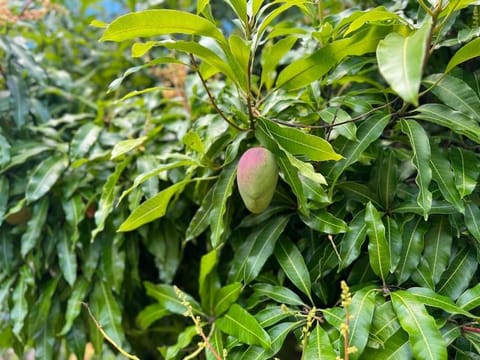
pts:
[118, 186]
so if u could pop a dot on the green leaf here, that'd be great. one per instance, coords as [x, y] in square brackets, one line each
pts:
[324, 222]
[400, 61]
[19, 98]
[466, 169]
[413, 243]
[456, 121]
[460, 271]
[150, 314]
[470, 299]
[304, 71]
[242, 325]
[280, 294]
[293, 264]
[291, 176]
[361, 308]
[378, 249]
[4, 151]
[208, 262]
[67, 258]
[352, 241]
[395, 242]
[377, 15]
[105, 205]
[240, 8]
[429, 297]
[184, 339]
[106, 311]
[297, 142]
[387, 179]
[397, 347]
[271, 315]
[438, 246]
[384, 323]
[472, 220]
[271, 55]
[168, 298]
[74, 304]
[152, 209]
[226, 296]
[421, 160]
[44, 176]
[149, 23]
[443, 175]
[221, 194]
[319, 345]
[83, 140]
[465, 53]
[201, 219]
[123, 147]
[425, 338]
[20, 307]
[74, 210]
[455, 93]
[257, 248]
[35, 226]
[7, 254]
[4, 195]
[368, 131]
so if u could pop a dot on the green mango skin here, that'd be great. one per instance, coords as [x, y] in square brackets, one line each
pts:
[257, 176]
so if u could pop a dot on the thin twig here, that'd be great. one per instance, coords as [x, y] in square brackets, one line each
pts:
[210, 96]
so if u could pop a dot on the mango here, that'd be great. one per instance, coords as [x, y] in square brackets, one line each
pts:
[257, 176]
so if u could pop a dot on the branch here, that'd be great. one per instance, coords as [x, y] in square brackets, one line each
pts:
[212, 99]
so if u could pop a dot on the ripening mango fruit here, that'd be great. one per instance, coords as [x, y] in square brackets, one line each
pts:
[257, 176]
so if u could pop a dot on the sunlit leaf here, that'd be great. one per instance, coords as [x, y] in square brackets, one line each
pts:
[465, 53]
[85, 137]
[361, 308]
[125, 146]
[319, 345]
[282, 295]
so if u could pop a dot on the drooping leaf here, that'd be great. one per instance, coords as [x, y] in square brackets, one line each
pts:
[20, 307]
[242, 325]
[438, 244]
[221, 194]
[362, 309]
[378, 249]
[155, 22]
[351, 244]
[413, 244]
[400, 60]
[454, 120]
[67, 259]
[319, 345]
[105, 205]
[425, 338]
[458, 274]
[293, 264]
[74, 304]
[35, 226]
[44, 176]
[257, 248]
[421, 160]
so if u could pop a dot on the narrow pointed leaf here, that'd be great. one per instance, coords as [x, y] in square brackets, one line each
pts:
[280, 294]
[44, 176]
[456, 278]
[20, 307]
[361, 308]
[155, 22]
[421, 160]
[226, 296]
[385, 322]
[257, 248]
[67, 259]
[470, 299]
[4, 195]
[413, 244]
[221, 194]
[378, 249]
[324, 222]
[183, 340]
[35, 226]
[438, 246]
[425, 338]
[168, 298]
[208, 262]
[150, 314]
[466, 168]
[152, 209]
[394, 239]
[351, 244]
[74, 304]
[125, 146]
[293, 264]
[472, 220]
[397, 347]
[400, 60]
[456, 121]
[465, 53]
[201, 219]
[455, 93]
[243, 326]
[84, 139]
[319, 345]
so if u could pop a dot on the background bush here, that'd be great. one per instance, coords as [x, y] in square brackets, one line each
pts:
[118, 162]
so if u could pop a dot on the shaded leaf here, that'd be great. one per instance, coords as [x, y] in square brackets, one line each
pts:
[466, 169]
[20, 307]
[324, 222]
[470, 299]
[438, 244]
[35, 226]
[168, 298]
[226, 296]
[79, 292]
[201, 219]
[472, 220]
[44, 176]
[183, 340]
[352, 241]
[361, 308]
[208, 262]
[378, 249]
[67, 259]
[85, 137]
[150, 314]
[397, 347]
